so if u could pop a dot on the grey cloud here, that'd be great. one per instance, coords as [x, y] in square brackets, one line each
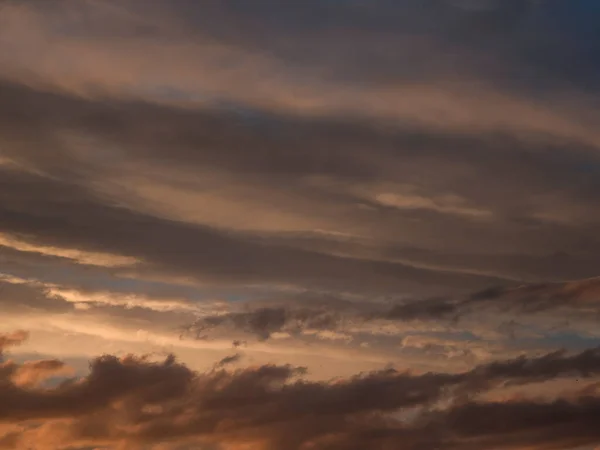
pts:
[269, 404]
[262, 321]
[569, 301]
[575, 298]
[330, 150]
[229, 360]
[201, 252]
[431, 309]
[265, 321]
[559, 425]
[542, 368]
[97, 390]
[456, 32]
[386, 158]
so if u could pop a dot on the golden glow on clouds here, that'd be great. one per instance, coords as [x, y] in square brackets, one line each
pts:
[320, 185]
[79, 256]
[449, 204]
[126, 300]
[224, 205]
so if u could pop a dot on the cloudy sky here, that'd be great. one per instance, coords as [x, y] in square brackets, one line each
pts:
[299, 225]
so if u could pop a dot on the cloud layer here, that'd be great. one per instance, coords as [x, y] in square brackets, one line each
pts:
[136, 401]
[327, 224]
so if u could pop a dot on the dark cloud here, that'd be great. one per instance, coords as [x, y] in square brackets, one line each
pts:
[229, 360]
[137, 400]
[238, 343]
[456, 31]
[367, 171]
[330, 149]
[265, 321]
[430, 309]
[569, 300]
[197, 251]
[109, 379]
[561, 424]
[544, 367]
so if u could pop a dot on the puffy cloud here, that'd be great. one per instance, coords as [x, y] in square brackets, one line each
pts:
[12, 339]
[136, 400]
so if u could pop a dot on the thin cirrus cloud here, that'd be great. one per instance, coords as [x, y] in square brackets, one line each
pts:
[303, 225]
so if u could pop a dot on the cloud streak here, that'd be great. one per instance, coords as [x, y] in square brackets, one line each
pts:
[573, 302]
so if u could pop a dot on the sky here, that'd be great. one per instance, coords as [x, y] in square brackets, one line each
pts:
[299, 225]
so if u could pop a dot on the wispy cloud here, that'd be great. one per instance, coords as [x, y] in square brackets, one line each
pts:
[399, 196]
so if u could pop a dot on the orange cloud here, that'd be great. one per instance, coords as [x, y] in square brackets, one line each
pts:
[139, 401]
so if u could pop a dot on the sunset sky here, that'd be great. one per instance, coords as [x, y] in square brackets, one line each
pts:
[300, 224]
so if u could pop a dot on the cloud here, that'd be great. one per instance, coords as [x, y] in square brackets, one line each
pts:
[204, 253]
[77, 255]
[237, 343]
[344, 186]
[416, 87]
[561, 424]
[570, 305]
[265, 321]
[11, 339]
[333, 190]
[568, 299]
[229, 360]
[95, 392]
[137, 400]
[32, 373]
